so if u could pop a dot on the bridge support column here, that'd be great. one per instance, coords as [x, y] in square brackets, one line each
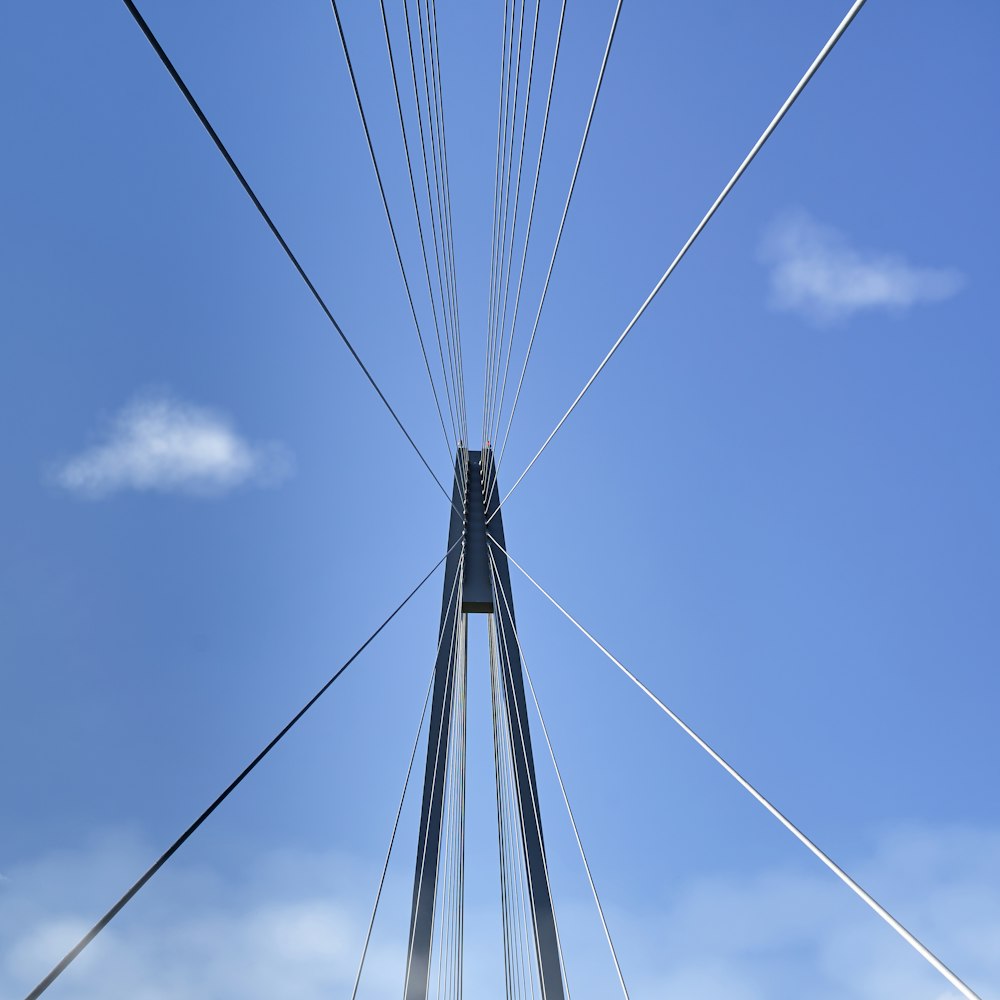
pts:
[484, 590]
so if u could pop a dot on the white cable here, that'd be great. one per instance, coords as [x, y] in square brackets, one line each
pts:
[758, 145]
[921, 949]
[569, 809]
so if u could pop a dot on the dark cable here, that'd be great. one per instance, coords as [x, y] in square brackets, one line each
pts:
[443, 141]
[179, 842]
[426, 56]
[392, 227]
[195, 107]
[446, 312]
[416, 200]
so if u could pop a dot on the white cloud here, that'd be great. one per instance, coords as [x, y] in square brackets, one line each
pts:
[797, 932]
[818, 274]
[291, 925]
[288, 926]
[161, 443]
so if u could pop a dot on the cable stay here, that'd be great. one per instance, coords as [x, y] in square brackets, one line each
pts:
[434, 91]
[565, 796]
[507, 219]
[189, 97]
[432, 167]
[518, 742]
[477, 574]
[757, 146]
[866, 897]
[450, 891]
[450, 442]
[562, 221]
[421, 233]
[72, 954]
[507, 50]
[429, 847]
[449, 228]
[501, 320]
[399, 811]
[531, 205]
[519, 934]
[521, 931]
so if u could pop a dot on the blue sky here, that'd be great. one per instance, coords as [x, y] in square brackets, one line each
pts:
[777, 505]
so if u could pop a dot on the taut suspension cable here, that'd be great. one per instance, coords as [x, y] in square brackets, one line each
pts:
[399, 811]
[562, 222]
[531, 205]
[440, 744]
[439, 221]
[565, 796]
[450, 443]
[757, 146]
[503, 117]
[520, 738]
[506, 269]
[189, 97]
[449, 226]
[71, 955]
[909, 938]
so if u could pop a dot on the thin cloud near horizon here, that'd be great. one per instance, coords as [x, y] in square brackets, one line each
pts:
[815, 271]
[292, 923]
[160, 443]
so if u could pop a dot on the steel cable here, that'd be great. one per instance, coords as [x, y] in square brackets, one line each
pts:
[189, 97]
[758, 145]
[392, 231]
[880, 910]
[62, 965]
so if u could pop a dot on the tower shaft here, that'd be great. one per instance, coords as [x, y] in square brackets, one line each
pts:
[485, 589]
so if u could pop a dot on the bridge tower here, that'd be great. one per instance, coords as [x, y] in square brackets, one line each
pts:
[479, 570]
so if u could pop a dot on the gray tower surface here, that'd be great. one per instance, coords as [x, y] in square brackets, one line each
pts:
[484, 591]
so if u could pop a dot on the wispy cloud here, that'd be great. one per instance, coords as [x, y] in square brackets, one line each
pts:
[816, 272]
[164, 444]
[797, 932]
[292, 923]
